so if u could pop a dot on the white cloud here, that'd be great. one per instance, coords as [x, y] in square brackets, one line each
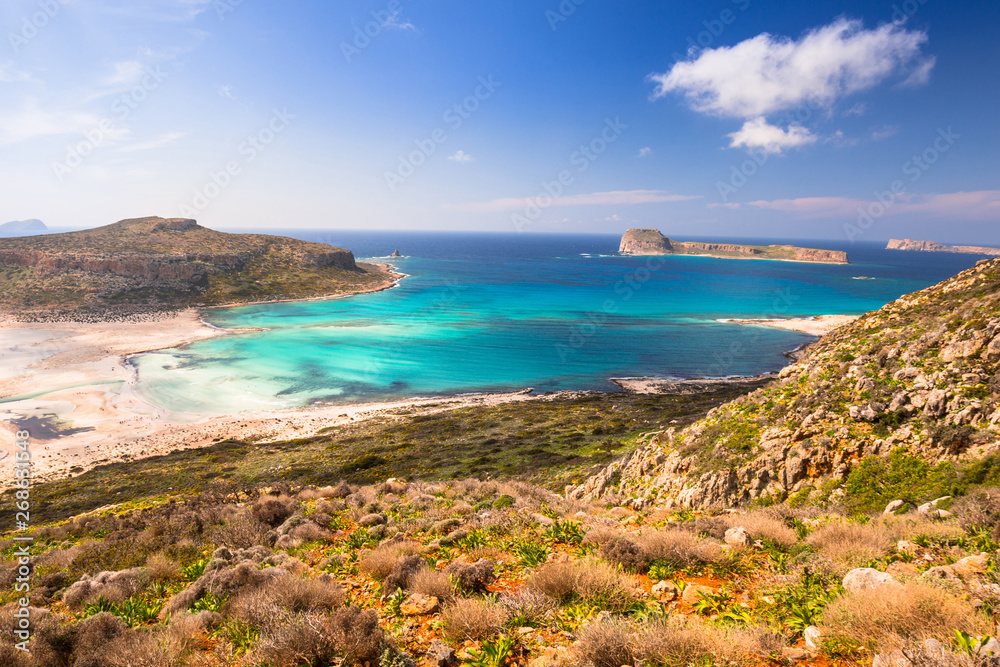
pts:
[394, 23]
[645, 152]
[165, 140]
[461, 156]
[976, 205]
[758, 133]
[921, 75]
[126, 74]
[883, 132]
[857, 110]
[766, 74]
[615, 198]
[32, 121]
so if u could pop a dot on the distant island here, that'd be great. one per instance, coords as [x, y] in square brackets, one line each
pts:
[150, 265]
[19, 227]
[652, 242]
[932, 246]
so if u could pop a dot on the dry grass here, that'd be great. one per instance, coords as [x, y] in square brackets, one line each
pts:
[911, 526]
[888, 618]
[593, 582]
[379, 562]
[679, 548]
[849, 544]
[431, 582]
[162, 568]
[672, 644]
[766, 525]
[472, 619]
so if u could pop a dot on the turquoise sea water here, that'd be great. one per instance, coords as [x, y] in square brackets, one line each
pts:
[491, 312]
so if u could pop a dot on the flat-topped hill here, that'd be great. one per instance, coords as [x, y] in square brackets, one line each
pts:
[933, 246]
[155, 264]
[653, 242]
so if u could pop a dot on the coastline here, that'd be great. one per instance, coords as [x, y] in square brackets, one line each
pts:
[72, 385]
[710, 256]
[818, 325]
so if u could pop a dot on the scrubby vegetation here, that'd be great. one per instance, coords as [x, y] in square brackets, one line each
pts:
[501, 573]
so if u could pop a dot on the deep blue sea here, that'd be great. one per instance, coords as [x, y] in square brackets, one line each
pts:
[490, 312]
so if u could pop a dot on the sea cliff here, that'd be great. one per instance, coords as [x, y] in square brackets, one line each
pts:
[653, 242]
[932, 246]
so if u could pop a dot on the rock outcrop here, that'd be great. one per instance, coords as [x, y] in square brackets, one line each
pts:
[652, 242]
[932, 246]
[921, 374]
[156, 264]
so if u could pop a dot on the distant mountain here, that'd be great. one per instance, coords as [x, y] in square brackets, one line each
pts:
[154, 264]
[21, 227]
[652, 242]
[931, 246]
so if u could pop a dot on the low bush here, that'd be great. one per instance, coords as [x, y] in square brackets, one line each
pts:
[379, 562]
[472, 619]
[886, 618]
[473, 577]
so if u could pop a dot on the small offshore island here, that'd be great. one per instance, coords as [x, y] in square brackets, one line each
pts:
[932, 246]
[653, 242]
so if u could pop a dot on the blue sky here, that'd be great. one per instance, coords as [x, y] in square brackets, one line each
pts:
[836, 120]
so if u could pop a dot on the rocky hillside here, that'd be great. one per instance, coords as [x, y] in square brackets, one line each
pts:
[904, 401]
[932, 246]
[652, 242]
[153, 264]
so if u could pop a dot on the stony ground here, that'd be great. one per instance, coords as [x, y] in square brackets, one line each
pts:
[502, 573]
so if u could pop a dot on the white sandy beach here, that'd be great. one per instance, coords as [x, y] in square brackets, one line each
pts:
[74, 377]
[814, 326]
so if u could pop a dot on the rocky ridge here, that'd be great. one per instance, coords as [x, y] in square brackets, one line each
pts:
[920, 375]
[932, 246]
[153, 264]
[653, 242]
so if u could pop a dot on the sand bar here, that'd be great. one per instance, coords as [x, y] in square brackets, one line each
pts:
[819, 325]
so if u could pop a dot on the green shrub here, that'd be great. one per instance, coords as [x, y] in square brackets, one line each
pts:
[879, 480]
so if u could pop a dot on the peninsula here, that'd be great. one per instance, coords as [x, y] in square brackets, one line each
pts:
[652, 242]
[154, 265]
[932, 246]
[21, 227]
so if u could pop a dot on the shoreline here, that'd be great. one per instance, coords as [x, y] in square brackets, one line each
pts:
[817, 325]
[759, 259]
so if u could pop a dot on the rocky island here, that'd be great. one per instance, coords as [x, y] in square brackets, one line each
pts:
[932, 246]
[653, 242]
[21, 227]
[150, 265]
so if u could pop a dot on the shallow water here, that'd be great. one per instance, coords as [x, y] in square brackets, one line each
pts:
[483, 312]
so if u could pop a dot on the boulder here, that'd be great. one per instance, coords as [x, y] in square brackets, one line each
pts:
[739, 538]
[813, 637]
[937, 403]
[440, 654]
[543, 520]
[894, 507]
[862, 413]
[971, 566]
[866, 579]
[419, 605]
[931, 507]
[665, 591]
